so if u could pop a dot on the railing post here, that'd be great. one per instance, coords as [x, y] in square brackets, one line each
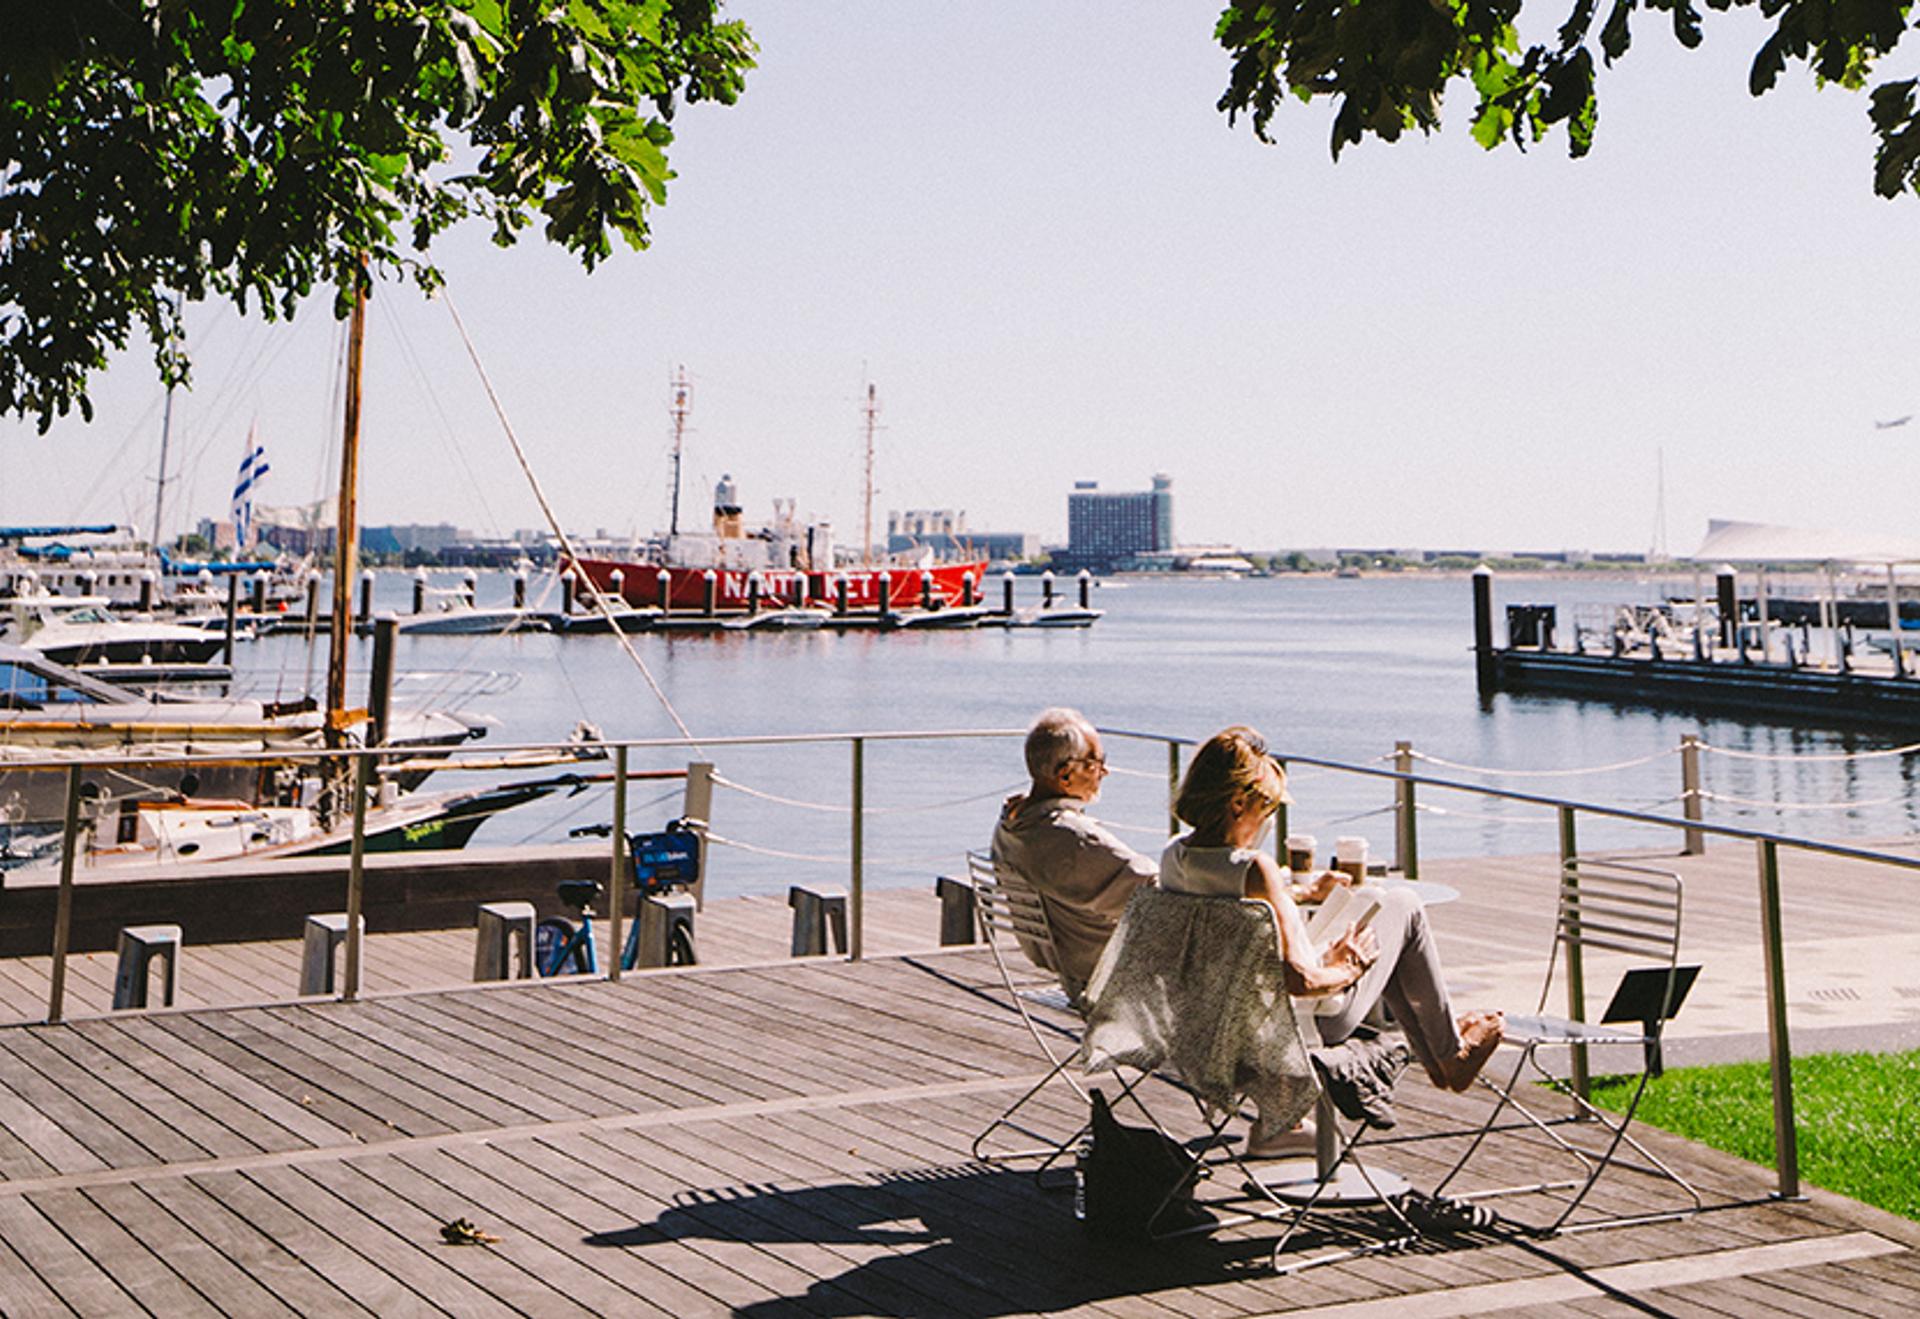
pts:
[856, 895]
[1406, 836]
[63, 907]
[1786, 1144]
[1173, 785]
[356, 876]
[617, 880]
[1576, 972]
[1280, 829]
[1690, 803]
[696, 808]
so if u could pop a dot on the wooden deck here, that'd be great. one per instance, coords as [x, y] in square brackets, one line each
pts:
[761, 1140]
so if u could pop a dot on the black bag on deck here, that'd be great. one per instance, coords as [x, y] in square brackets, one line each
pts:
[1122, 1175]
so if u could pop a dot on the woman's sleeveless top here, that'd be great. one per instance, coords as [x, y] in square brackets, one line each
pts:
[1215, 872]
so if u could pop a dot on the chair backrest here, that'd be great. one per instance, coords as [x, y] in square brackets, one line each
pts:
[1620, 907]
[1008, 907]
[1197, 983]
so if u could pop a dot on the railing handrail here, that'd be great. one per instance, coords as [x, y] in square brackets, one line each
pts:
[1625, 813]
[125, 760]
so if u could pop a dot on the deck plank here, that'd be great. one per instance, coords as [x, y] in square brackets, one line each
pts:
[775, 1139]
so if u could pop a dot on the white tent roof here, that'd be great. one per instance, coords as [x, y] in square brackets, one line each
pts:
[1760, 542]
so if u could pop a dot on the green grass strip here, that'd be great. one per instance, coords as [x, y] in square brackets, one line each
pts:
[1858, 1117]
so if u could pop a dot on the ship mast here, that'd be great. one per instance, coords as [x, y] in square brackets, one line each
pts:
[866, 523]
[346, 529]
[681, 397]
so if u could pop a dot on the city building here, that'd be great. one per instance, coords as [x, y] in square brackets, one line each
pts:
[944, 531]
[1105, 526]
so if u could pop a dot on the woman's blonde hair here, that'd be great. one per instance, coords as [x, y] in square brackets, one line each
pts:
[1232, 767]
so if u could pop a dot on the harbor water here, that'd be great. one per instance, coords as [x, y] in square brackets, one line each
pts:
[1341, 669]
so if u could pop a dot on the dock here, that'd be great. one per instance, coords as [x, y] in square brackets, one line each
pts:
[1728, 676]
[790, 1136]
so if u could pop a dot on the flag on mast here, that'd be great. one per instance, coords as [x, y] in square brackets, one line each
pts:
[252, 467]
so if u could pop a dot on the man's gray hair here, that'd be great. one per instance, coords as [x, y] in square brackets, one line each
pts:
[1057, 736]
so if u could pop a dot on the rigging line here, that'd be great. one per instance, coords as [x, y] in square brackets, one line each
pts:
[1798, 758]
[837, 809]
[839, 860]
[446, 423]
[566, 542]
[1543, 773]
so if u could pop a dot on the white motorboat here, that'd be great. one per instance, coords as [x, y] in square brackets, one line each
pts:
[78, 630]
[459, 620]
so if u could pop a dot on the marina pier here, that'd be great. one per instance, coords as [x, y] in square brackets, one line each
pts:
[763, 1133]
[1722, 669]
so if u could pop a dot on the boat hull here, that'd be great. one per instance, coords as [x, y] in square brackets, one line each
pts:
[945, 585]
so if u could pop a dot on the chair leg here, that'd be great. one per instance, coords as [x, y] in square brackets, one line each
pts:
[1366, 1243]
[1593, 1163]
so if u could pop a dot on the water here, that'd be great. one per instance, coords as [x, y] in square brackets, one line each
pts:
[1324, 667]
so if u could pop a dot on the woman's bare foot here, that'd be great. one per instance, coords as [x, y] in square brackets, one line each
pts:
[1480, 1035]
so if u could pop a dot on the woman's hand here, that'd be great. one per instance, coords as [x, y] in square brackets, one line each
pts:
[1316, 888]
[1357, 948]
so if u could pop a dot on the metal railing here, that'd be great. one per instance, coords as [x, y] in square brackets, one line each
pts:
[1407, 785]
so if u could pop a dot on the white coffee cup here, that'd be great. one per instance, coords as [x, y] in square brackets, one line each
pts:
[1350, 856]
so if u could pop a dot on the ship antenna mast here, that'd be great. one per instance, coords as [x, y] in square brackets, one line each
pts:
[681, 395]
[866, 524]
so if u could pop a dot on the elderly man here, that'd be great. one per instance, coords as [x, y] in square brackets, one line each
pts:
[1084, 875]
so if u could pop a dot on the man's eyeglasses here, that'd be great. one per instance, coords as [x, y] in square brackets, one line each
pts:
[1099, 762]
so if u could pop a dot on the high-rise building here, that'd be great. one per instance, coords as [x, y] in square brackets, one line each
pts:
[1105, 526]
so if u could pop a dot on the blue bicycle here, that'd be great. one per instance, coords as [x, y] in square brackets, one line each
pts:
[661, 862]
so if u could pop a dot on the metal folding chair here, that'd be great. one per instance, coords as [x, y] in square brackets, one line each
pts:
[1009, 909]
[1606, 906]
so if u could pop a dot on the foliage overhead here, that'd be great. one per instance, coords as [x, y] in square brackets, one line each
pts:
[153, 150]
[1386, 64]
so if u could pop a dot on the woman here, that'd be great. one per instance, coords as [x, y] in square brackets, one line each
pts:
[1228, 797]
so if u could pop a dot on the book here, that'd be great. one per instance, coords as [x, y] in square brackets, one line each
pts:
[1343, 907]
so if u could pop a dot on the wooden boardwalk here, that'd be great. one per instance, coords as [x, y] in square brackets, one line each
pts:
[765, 1140]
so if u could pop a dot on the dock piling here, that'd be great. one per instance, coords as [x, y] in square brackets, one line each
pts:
[419, 590]
[663, 590]
[366, 595]
[1727, 599]
[1483, 658]
[1786, 1144]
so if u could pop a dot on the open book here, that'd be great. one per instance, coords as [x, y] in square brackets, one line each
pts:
[1344, 906]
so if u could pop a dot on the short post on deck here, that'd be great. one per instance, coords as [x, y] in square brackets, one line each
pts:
[326, 931]
[819, 918]
[139, 946]
[959, 921]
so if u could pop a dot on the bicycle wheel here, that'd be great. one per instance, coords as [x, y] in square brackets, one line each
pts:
[680, 947]
[552, 938]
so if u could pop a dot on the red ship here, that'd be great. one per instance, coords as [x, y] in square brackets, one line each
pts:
[783, 565]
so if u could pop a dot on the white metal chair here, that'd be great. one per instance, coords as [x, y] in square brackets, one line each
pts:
[1009, 909]
[1192, 988]
[1608, 906]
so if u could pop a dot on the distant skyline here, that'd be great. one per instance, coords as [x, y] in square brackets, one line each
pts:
[1032, 231]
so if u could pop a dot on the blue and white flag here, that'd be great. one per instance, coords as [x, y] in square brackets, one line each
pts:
[252, 468]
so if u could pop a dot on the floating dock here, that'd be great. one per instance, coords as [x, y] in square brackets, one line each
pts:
[1727, 675]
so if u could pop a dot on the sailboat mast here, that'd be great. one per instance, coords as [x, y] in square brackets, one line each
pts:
[160, 481]
[680, 408]
[166, 435]
[866, 522]
[346, 533]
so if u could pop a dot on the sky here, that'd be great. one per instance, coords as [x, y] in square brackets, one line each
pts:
[1030, 229]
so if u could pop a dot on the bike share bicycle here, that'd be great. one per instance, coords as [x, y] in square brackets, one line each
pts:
[661, 862]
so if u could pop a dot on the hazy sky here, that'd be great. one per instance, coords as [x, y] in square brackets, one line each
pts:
[1031, 229]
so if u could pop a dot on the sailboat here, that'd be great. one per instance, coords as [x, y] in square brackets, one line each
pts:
[243, 808]
[783, 568]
